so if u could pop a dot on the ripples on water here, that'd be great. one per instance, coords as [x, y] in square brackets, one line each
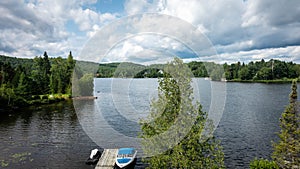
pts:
[44, 137]
[51, 136]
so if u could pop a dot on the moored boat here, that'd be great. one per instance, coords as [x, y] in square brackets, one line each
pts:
[125, 157]
[94, 157]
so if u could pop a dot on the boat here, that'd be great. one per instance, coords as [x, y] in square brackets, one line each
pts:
[94, 157]
[125, 157]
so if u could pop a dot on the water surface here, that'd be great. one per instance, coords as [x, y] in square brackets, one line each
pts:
[55, 136]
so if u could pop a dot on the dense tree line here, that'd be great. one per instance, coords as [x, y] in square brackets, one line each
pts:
[262, 70]
[253, 71]
[127, 70]
[23, 79]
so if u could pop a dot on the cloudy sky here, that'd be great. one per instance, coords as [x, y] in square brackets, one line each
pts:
[239, 30]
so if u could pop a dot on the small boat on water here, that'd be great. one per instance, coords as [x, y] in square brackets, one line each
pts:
[94, 157]
[125, 157]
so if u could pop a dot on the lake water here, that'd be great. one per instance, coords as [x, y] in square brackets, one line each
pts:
[62, 135]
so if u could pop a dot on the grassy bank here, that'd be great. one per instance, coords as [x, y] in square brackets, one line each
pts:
[20, 102]
[46, 99]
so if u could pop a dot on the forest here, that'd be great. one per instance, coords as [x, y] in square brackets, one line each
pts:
[133, 70]
[29, 81]
[259, 71]
[262, 71]
[42, 79]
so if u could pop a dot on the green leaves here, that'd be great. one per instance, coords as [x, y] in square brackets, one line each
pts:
[261, 70]
[263, 164]
[22, 78]
[287, 151]
[173, 131]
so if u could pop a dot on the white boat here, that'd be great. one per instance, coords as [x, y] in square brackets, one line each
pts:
[125, 157]
[94, 157]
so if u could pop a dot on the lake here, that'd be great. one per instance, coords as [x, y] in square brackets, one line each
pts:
[61, 135]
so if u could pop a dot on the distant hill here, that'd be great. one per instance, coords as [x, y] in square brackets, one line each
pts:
[133, 70]
[14, 61]
[253, 71]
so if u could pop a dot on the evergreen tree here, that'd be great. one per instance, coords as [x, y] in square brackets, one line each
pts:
[46, 65]
[41, 74]
[287, 150]
[59, 78]
[174, 110]
[46, 75]
[70, 67]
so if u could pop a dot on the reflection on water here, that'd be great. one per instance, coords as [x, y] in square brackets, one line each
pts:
[43, 137]
[51, 136]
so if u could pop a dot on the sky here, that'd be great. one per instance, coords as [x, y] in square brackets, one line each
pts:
[128, 30]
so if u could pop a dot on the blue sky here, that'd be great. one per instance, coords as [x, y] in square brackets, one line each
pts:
[238, 30]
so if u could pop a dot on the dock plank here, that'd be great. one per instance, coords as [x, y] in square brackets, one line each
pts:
[107, 159]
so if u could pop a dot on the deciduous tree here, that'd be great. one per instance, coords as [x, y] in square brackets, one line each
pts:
[184, 147]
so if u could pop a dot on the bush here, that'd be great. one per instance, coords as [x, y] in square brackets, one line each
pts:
[44, 97]
[35, 97]
[263, 164]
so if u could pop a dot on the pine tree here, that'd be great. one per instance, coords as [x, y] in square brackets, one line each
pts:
[70, 66]
[46, 75]
[174, 112]
[287, 150]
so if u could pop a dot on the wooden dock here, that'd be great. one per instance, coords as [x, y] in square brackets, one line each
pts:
[107, 159]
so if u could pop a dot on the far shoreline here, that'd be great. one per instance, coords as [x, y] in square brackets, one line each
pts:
[275, 81]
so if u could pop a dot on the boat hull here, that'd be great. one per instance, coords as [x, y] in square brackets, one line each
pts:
[125, 161]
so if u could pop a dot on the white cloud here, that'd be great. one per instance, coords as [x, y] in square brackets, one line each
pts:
[271, 13]
[237, 28]
[234, 26]
[136, 6]
[42, 23]
[289, 53]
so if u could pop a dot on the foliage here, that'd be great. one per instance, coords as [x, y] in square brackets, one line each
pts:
[20, 79]
[40, 74]
[127, 70]
[198, 69]
[61, 72]
[261, 70]
[253, 71]
[287, 150]
[86, 85]
[263, 164]
[175, 111]
[149, 73]
[106, 70]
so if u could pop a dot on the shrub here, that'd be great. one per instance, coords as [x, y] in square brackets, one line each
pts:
[263, 164]
[44, 97]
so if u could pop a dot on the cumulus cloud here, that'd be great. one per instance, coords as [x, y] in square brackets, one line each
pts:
[141, 49]
[153, 32]
[42, 26]
[290, 53]
[270, 13]
[236, 26]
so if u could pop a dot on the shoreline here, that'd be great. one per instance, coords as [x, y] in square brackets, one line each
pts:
[278, 81]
